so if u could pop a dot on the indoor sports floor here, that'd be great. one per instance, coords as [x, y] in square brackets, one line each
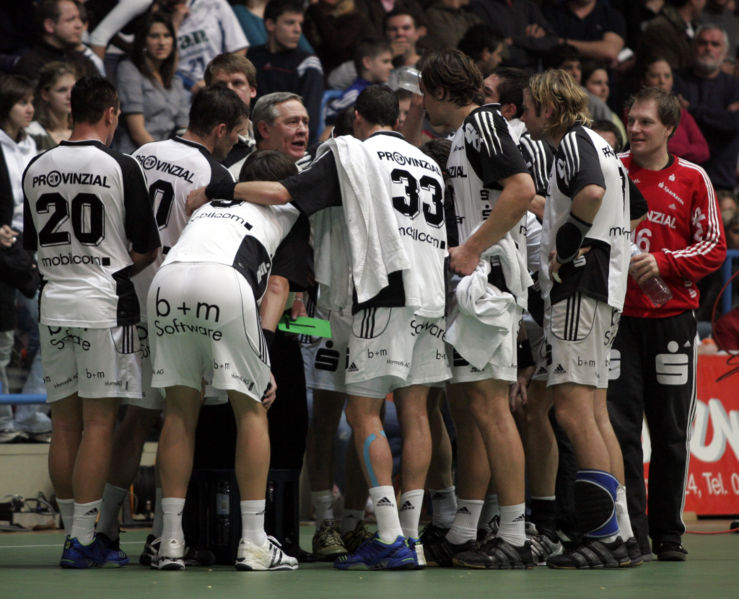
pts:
[28, 570]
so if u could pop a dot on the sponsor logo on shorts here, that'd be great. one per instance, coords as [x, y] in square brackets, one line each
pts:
[581, 362]
[398, 363]
[352, 368]
[173, 326]
[379, 353]
[559, 369]
[68, 338]
[327, 358]
[431, 328]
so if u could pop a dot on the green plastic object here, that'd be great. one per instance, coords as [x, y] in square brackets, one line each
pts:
[305, 325]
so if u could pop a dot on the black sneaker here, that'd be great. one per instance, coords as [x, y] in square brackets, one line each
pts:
[432, 534]
[670, 552]
[593, 554]
[496, 554]
[634, 551]
[151, 549]
[441, 553]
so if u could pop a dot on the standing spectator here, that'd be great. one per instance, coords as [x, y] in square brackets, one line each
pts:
[403, 30]
[447, 21]
[723, 13]
[208, 28]
[16, 151]
[61, 33]
[687, 141]
[484, 47]
[53, 122]
[375, 12]
[527, 34]
[592, 27]
[281, 65]
[154, 103]
[250, 14]
[595, 82]
[712, 97]
[90, 299]
[657, 345]
[670, 34]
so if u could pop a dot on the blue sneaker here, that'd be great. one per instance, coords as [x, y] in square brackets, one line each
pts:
[379, 555]
[95, 555]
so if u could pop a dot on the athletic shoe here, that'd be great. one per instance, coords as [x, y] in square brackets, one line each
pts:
[379, 555]
[670, 552]
[95, 555]
[171, 555]
[270, 556]
[635, 554]
[417, 547]
[442, 553]
[327, 543]
[355, 538]
[432, 534]
[151, 548]
[593, 554]
[543, 547]
[13, 436]
[112, 545]
[496, 554]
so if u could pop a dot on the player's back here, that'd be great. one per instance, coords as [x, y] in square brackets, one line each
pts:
[84, 205]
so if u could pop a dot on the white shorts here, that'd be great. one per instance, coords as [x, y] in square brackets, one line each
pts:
[324, 359]
[90, 362]
[151, 398]
[391, 348]
[204, 326]
[539, 351]
[579, 333]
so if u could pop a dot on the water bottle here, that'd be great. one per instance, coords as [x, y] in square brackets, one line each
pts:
[223, 513]
[654, 288]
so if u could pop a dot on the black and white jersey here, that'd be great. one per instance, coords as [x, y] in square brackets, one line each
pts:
[238, 234]
[85, 207]
[585, 158]
[173, 168]
[417, 190]
[539, 159]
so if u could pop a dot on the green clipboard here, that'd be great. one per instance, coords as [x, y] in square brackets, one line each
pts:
[305, 325]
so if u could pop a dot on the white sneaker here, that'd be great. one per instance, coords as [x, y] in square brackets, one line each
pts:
[170, 556]
[266, 557]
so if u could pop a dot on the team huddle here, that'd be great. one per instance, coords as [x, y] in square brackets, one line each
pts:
[431, 271]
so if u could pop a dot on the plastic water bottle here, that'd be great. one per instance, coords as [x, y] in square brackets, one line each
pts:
[223, 513]
[654, 288]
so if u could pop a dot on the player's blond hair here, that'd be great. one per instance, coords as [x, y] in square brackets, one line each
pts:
[557, 89]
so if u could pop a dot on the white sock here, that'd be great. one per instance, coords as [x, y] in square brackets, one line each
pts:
[323, 506]
[172, 508]
[411, 503]
[464, 527]
[66, 510]
[513, 524]
[386, 512]
[350, 519]
[83, 521]
[157, 523]
[113, 498]
[622, 514]
[490, 509]
[444, 506]
[252, 521]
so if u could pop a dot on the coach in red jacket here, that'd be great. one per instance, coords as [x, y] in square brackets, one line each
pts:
[654, 355]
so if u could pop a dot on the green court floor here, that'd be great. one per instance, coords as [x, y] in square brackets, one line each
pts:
[28, 570]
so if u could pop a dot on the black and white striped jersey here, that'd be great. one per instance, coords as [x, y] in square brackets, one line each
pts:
[585, 158]
[85, 206]
[239, 234]
[173, 168]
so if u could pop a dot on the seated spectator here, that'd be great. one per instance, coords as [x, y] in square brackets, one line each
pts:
[61, 34]
[250, 14]
[281, 65]
[527, 34]
[53, 105]
[334, 28]
[712, 98]
[373, 62]
[608, 131]
[154, 103]
[592, 27]
[595, 81]
[484, 47]
[404, 105]
[376, 11]
[446, 23]
[403, 29]
[688, 141]
[670, 34]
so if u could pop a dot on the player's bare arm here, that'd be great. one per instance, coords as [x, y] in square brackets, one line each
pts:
[141, 261]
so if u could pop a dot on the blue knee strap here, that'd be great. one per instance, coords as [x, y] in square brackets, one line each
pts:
[595, 502]
[367, 462]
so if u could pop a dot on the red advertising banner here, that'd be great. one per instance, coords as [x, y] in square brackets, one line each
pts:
[713, 477]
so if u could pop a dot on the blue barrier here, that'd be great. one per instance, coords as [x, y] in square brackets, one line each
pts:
[726, 272]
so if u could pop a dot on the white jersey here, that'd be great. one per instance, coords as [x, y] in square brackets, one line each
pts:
[584, 158]
[173, 168]
[238, 234]
[85, 206]
[209, 29]
[483, 153]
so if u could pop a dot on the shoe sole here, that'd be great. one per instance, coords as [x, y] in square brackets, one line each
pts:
[70, 565]
[462, 564]
[247, 568]
[622, 565]
[171, 565]
[380, 566]
[329, 557]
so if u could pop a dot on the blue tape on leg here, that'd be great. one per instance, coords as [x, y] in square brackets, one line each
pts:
[367, 462]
